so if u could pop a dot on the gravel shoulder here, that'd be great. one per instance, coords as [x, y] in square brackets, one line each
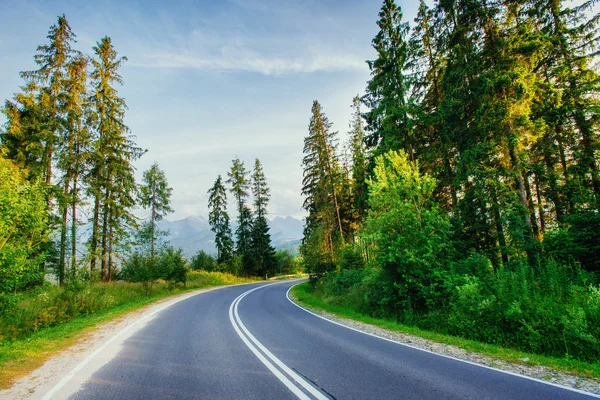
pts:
[534, 371]
[94, 349]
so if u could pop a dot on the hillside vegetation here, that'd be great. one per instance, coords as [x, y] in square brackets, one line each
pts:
[467, 200]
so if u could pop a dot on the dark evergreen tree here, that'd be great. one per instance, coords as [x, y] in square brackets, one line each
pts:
[155, 194]
[219, 222]
[263, 253]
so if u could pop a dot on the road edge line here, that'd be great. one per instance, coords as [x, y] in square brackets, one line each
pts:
[61, 383]
[287, 295]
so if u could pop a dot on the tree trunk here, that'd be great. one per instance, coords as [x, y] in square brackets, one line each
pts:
[540, 205]
[110, 254]
[95, 227]
[153, 218]
[499, 227]
[74, 227]
[531, 207]
[106, 217]
[63, 237]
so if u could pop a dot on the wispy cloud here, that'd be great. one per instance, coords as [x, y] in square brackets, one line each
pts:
[250, 61]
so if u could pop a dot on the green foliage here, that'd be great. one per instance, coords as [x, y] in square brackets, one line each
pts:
[203, 261]
[142, 269]
[409, 232]
[169, 265]
[34, 310]
[23, 229]
[352, 258]
[155, 195]
[316, 252]
[554, 312]
[287, 263]
[175, 267]
[218, 218]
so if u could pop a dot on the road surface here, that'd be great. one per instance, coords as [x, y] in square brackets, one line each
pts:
[251, 342]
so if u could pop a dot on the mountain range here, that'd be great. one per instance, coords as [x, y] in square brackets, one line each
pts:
[193, 234]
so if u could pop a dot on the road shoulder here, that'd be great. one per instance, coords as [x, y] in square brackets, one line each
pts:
[539, 372]
[93, 348]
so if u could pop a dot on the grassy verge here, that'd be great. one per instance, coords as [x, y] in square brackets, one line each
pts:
[21, 355]
[590, 370]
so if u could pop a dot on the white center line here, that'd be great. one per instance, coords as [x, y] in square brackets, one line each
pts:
[249, 339]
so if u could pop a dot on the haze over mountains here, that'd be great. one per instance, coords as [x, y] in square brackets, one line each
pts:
[193, 234]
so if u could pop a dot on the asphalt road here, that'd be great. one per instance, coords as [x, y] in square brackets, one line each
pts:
[251, 342]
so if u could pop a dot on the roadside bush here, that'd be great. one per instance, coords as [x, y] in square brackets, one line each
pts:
[23, 229]
[45, 306]
[204, 261]
[142, 269]
[553, 311]
[409, 233]
[174, 267]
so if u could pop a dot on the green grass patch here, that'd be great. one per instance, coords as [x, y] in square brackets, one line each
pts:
[306, 297]
[47, 321]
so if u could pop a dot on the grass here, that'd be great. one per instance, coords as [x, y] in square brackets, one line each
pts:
[589, 370]
[19, 356]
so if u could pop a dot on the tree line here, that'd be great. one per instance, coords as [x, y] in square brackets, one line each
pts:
[253, 253]
[66, 151]
[470, 178]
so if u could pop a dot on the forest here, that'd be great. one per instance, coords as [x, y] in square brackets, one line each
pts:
[71, 210]
[466, 199]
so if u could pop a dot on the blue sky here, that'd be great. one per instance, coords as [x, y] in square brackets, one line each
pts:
[208, 81]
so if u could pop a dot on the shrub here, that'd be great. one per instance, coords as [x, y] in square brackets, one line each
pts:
[23, 229]
[204, 261]
[409, 233]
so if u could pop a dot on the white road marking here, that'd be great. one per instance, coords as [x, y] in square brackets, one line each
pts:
[245, 334]
[67, 378]
[287, 294]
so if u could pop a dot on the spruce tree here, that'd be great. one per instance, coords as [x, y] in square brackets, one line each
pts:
[155, 194]
[263, 253]
[53, 60]
[359, 160]
[321, 181]
[218, 218]
[388, 120]
[239, 186]
[111, 178]
[73, 152]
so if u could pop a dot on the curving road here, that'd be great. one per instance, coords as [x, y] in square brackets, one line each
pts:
[251, 342]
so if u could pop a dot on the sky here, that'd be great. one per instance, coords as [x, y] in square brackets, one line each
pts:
[209, 81]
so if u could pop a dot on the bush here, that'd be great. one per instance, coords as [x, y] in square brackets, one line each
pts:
[409, 233]
[554, 310]
[27, 312]
[174, 266]
[23, 229]
[204, 261]
[142, 269]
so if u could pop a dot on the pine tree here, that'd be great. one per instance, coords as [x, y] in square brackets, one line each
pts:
[219, 221]
[53, 60]
[73, 152]
[388, 120]
[263, 253]
[321, 181]
[111, 178]
[240, 184]
[155, 194]
[359, 160]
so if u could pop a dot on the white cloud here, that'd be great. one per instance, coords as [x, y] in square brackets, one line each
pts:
[242, 59]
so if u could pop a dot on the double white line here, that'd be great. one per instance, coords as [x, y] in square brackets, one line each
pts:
[274, 364]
